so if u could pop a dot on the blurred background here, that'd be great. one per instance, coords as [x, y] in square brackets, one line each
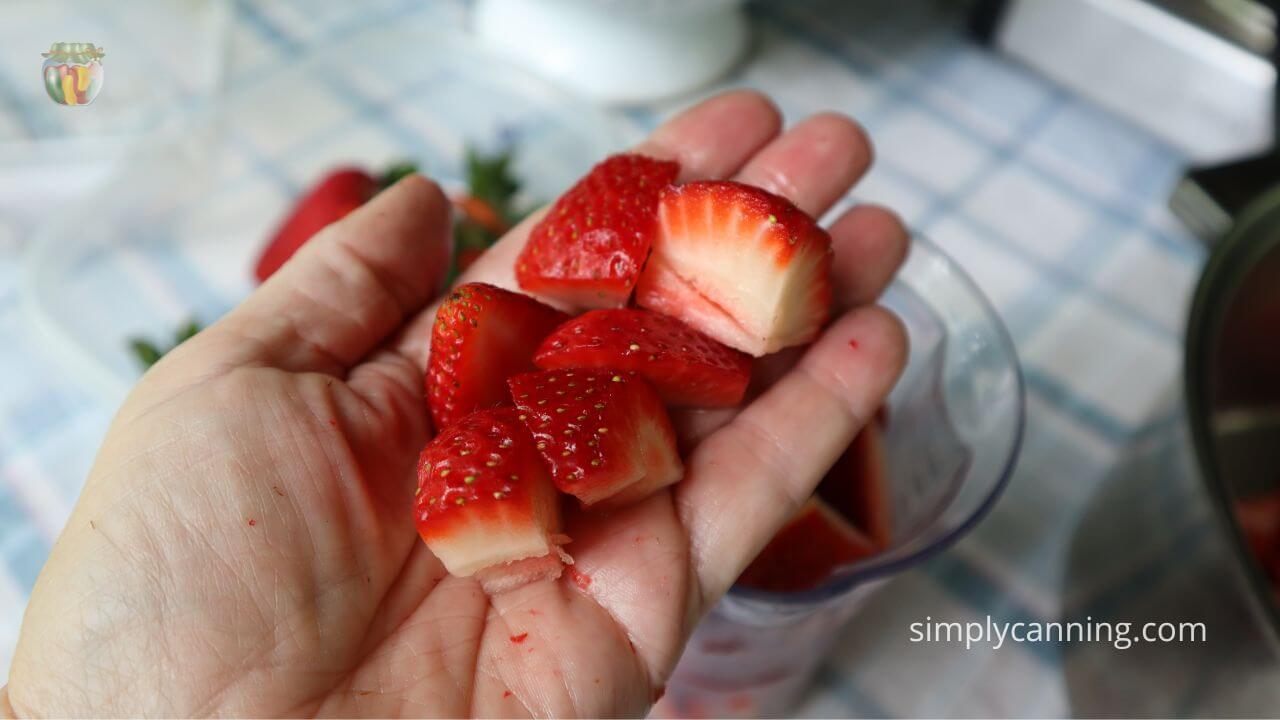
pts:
[1083, 161]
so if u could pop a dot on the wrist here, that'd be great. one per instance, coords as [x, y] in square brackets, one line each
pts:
[6, 710]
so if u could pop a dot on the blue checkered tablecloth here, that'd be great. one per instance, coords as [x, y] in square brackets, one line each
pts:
[1056, 208]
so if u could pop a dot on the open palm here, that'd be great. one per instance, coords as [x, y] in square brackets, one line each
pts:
[244, 544]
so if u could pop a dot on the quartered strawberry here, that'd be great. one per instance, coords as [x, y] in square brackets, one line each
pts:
[589, 248]
[687, 368]
[485, 504]
[328, 201]
[740, 264]
[482, 336]
[857, 485]
[604, 434]
[806, 550]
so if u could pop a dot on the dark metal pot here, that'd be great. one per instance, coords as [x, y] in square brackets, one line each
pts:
[1233, 391]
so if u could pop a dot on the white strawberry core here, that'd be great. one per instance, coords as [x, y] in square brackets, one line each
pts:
[499, 532]
[738, 292]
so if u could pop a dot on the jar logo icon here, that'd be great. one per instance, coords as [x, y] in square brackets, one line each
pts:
[73, 73]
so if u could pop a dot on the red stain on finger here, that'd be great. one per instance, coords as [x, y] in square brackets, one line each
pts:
[517, 639]
[506, 693]
[252, 522]
[853, 344]
[581, 579]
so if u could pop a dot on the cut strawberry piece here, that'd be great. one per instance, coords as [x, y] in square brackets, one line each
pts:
[687, 368]
[604, 434]
[485, 504]
[857, 485]
[806, 551]
[482, 336]
[1259, 521]
[740, 264]
[589, 248]
[328, 201]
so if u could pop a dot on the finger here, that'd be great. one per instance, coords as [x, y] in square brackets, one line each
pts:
[813, 164]
[870, 243]
[713, 139]
[347, 289]
[745, 480]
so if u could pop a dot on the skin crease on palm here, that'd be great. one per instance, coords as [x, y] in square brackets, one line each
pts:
[244, 543]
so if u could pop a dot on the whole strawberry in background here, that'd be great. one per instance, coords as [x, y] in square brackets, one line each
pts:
[485, 210]
[590, 247]
[336, 194]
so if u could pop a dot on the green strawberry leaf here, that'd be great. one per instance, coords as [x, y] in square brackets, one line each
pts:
[148, 353]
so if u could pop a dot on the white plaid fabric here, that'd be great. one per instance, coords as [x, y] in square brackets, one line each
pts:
[1056, 208]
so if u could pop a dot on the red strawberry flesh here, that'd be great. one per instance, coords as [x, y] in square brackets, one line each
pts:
[604, 434]
[857, 485]
[740, 264]
[590, 247]
[806, 551]
[687, 368]
[482, 335]
[485, 503]
[336, 195]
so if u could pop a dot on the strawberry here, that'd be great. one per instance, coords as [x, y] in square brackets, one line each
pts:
[740, 264]
[604, 434]
[1259, 520]
[806, 551]
[857, 485]
[466, 258]
[330, 200]
[482, 336]
[687, 368]
[589, 248]
[485, 505]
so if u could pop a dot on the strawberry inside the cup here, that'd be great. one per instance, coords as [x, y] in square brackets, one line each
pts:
[807, 549]
[857, 486]
[847, 520]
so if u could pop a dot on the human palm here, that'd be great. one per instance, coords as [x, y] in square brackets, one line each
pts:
[244, 544]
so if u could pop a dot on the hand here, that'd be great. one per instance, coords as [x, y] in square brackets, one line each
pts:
[244, 542]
